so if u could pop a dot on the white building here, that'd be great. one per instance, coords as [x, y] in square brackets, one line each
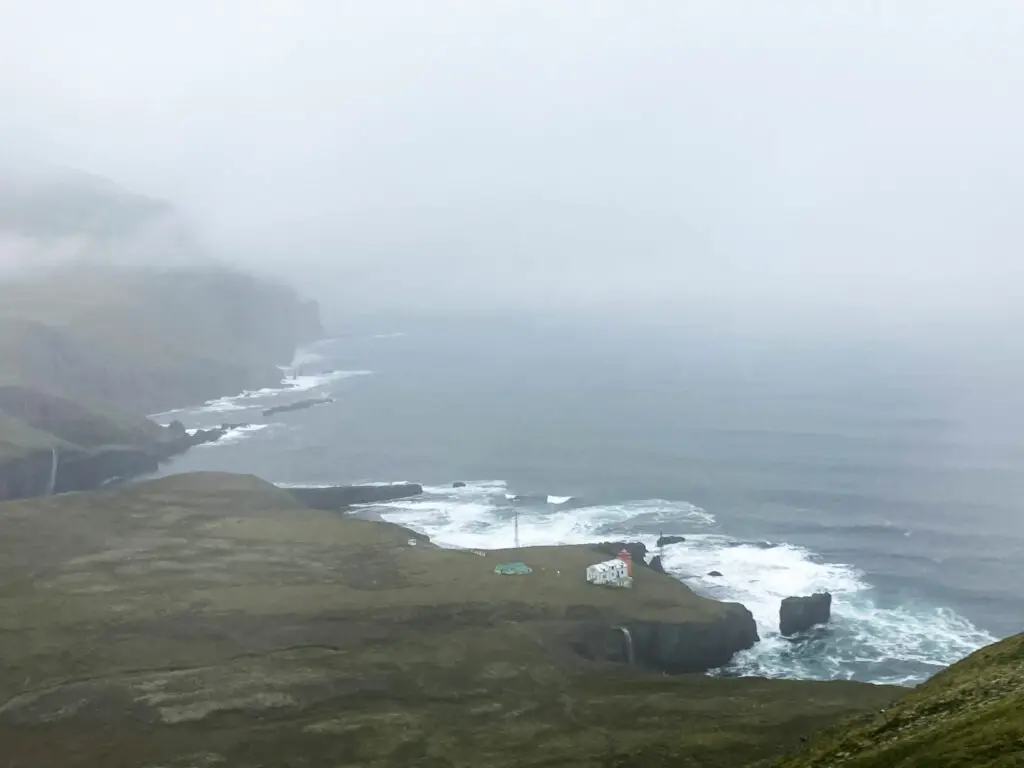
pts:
[613, 573]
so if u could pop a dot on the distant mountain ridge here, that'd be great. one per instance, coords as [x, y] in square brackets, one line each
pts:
[98, 327]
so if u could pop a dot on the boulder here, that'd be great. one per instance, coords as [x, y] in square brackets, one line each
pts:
[655, 564]
[175, 431]
[666, 540]
[798, 614]
[341, 496]
[458, 484]
[714, 573]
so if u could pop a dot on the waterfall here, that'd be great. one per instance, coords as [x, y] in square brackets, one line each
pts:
[52, 484]
[629, 644]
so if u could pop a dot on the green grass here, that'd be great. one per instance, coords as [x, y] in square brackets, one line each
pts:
[208, 617]
[970, 715]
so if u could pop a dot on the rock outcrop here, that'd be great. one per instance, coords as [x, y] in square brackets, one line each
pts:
[637, 550]
[298, 405]
[798, 614]
[673, 647]
[664, 541]
[341, 496]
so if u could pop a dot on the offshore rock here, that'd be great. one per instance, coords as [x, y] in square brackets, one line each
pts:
[664, 541]
[798, 614]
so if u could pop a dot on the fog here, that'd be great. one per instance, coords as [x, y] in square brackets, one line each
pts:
[798, 165]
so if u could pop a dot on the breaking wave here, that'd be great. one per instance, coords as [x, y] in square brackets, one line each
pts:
[866, 640]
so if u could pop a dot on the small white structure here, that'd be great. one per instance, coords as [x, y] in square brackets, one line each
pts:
[612, 573]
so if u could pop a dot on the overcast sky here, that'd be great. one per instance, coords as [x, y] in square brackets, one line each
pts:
[802, 162]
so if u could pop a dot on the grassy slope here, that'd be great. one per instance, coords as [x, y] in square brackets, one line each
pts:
[207, 617]
[971, 714]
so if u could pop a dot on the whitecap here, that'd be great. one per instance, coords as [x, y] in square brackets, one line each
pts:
[861, 636]
[556, 500]
[902, 644]
[237, 434]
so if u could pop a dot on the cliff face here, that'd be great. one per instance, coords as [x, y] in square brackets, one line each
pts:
[49, 444]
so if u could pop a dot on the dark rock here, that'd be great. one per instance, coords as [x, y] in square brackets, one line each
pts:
[666, 540]
[655, 564]
[458, 484]
[298, 405]
[341, 496]
[85, 470]
[175, 431]
[673, 648]
[714, 573]
[169, 448]
[798, 614]
[636, 549]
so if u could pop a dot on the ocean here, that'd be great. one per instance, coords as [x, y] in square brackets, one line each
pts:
[891, 476]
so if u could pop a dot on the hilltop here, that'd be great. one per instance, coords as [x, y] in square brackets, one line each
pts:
[210, 619]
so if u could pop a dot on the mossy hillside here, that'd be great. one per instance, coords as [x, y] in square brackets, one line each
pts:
[971, 714]
[210, 619]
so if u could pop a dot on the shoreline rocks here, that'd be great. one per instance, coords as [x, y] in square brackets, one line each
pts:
[342, 496]
[799, 614]
[298, 405]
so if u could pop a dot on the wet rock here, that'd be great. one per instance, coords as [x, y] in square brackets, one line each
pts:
[341, 496]
[675, 648]
[458, 484]
[298, 405]
[715, 573]
[664, 541]
[637, 550]
[798, 614]
[655, 564]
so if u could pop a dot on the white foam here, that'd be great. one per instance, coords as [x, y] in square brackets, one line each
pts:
[395, 335]
[237, 434]
[258, 398]
[479, 516]
[861, 635]
[559, 499]
[315, 381]
[900, 645]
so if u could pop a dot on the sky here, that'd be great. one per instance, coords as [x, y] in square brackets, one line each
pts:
[801, 165]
